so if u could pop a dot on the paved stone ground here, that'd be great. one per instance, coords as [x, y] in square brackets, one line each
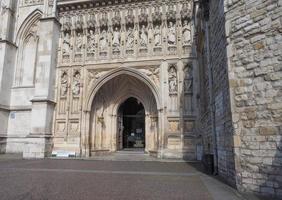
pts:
[106, 180]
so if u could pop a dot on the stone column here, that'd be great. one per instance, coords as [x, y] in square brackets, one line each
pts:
[40, 143]
[7, 58]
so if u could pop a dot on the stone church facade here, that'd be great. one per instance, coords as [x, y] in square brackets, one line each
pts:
[205, 76]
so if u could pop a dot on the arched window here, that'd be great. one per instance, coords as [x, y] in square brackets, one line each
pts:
[27, 41]
[28, 61]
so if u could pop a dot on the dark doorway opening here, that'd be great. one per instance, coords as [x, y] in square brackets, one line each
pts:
[133, 124]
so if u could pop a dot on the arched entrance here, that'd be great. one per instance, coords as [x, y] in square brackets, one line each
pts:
[111, 96]
[131, 121]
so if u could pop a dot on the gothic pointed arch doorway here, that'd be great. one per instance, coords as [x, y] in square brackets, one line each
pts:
[131, 125]
[117, 97]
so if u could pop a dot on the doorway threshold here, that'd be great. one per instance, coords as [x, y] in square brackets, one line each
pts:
[132, 150]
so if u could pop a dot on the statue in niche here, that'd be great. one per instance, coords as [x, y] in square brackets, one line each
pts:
[188, 78]
[103, 40]
[172, 80]
[76, 84]
[171, 34]
[79, 42]
[116, 38]
[130, 38]
[66, 44]
[143, 37]
[157, 36]
[186, 34]
[91, 42]
[64, 84]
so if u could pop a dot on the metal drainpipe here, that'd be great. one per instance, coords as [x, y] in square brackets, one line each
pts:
[211, 94]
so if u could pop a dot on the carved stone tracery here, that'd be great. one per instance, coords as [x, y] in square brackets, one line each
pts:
[114, 33]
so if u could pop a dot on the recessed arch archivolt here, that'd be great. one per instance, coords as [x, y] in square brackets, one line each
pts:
[113, 90]
[114, 73]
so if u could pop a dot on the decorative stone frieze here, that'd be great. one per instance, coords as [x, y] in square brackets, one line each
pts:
[31, 2]
[133, 31]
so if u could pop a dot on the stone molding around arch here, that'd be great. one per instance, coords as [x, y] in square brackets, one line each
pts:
[114, 73]
[102, 126]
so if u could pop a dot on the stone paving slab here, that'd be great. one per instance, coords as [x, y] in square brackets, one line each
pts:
[105, 180]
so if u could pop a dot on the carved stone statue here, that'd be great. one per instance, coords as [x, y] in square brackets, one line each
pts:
[157, 36]
[186, 34]
[91, 42]
[64, 84]
[143, 37]
[171, 38]
[116, 38]
[103, 40]
[79, 42]
[76, 84]
[172, 80]
[66, 44]
[130, 38]
[188, 78]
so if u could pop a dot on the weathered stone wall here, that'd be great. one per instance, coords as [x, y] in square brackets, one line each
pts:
[204, 120]
[254, 35]
[215, 121]
[220, 92]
